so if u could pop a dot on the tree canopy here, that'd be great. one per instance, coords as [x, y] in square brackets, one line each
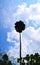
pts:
[19, 26]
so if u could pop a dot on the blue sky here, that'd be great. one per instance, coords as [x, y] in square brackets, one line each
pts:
[29, 12]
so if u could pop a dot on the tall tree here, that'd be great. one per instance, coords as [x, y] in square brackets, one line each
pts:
[19, 27]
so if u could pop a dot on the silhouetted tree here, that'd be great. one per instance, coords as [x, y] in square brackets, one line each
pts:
[19, 27]
[27, 58]
[5, 57]
[36, 58]
[5, 60]
[31, 59]
[39, 60]
[9, 63]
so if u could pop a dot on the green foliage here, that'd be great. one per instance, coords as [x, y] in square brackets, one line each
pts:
[32, 59]
[5, 60]
[5, 57]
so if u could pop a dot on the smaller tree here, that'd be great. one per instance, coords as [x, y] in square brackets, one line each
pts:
[6, 61]
[36, 57]
[5, 57]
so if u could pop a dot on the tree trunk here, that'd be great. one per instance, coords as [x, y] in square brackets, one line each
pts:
[20, 48]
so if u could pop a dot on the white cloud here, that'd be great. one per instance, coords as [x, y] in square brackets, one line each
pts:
[22, 12]
[28, 13]
[13, 51]
[12, 36]
[31, 40]
[33, 33]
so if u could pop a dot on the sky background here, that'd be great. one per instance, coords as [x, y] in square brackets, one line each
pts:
[29, 12]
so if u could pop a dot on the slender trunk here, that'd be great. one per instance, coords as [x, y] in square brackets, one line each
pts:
[20, 48]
